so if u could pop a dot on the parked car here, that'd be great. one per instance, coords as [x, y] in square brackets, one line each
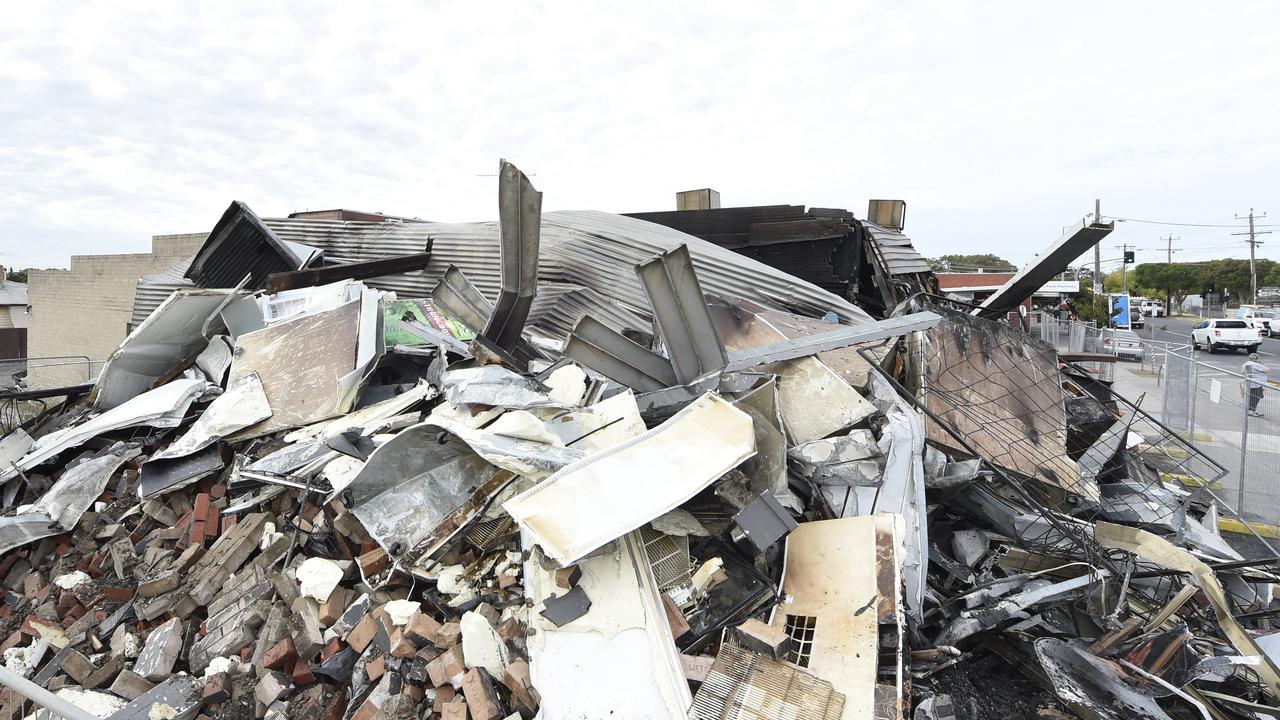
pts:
[1154, 308]
[1218, 335]
[1126, 344]
[1261, 318]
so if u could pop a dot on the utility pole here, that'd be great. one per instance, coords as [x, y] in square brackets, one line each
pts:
[1097, 251]
[1168, 288]
[1253, 243]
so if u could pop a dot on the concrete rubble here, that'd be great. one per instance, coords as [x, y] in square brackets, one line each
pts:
[295, 493]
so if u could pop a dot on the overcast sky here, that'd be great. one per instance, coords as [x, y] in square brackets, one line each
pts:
[998, 123]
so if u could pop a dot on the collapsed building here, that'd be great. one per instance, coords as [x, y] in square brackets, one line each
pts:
[582, 465]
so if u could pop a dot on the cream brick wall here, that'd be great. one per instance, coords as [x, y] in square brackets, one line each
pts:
[86, 310]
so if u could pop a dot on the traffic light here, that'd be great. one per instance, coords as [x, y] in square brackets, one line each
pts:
[1128, 257]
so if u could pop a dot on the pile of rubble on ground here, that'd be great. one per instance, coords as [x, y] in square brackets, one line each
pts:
[688, 486]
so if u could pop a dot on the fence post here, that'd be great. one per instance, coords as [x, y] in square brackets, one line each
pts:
[1244, 444]
[1195, 386]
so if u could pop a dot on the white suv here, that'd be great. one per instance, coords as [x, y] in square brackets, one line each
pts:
[1225, 335]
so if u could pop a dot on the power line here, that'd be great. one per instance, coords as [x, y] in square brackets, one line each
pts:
[1182, 224]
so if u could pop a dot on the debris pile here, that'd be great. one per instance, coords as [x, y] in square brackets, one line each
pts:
[295, 493]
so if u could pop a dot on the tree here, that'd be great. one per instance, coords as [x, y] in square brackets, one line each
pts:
[18, 276]
[971, 263]
[1112, 282]
[1272, 278]
[1088, 306]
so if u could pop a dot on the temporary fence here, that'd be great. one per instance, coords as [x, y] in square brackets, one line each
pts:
[1236, 422]
[1208, 406]
[42, 373]
[19, 376]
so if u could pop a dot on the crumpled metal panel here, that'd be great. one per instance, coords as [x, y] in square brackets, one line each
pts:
[1001, 390]
[156, 288]
[155, 347]
[495, 386]
[59, 509]
[243, 404]
[1092, 686]
[414, 482]
[584, 265]
[163, 407]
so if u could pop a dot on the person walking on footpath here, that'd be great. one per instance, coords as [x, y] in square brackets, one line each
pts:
[1256, 376]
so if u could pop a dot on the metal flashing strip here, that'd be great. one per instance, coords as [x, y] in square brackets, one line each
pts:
[687, 330]
[612, 354]
[519, 225]
[833, 340]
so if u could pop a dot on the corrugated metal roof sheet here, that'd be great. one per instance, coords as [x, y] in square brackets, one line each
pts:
[240, 245]
[586, 266]
[896, 249]
[156, 288]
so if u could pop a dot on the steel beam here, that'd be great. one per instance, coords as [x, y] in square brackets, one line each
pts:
[1077, 239]
[519, 225]
[311, 277]
[617, 357]
[684, 322]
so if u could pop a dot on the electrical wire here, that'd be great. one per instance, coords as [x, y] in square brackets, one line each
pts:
[1182, 224]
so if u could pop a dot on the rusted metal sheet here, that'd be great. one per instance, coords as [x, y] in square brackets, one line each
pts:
[1001, 390]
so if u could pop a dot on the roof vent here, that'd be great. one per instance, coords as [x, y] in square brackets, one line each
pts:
[704, 199]
[889, 214]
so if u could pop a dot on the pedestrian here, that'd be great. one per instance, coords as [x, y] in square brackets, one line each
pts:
[1256, 377]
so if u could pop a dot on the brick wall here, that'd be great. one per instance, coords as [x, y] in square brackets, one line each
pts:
[86, 310]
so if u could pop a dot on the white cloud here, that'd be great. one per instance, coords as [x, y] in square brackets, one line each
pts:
[997, 122]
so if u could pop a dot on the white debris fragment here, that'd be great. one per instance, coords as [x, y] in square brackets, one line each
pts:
[450, 580]
[401, 610]
[23, 660]
[523, 425]
[708, 575]
[222, 665]
[97, 704]
[481, 645]
[125, 643]
[567, 384]
[72, 580]
[269, 536]
[317, 577]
